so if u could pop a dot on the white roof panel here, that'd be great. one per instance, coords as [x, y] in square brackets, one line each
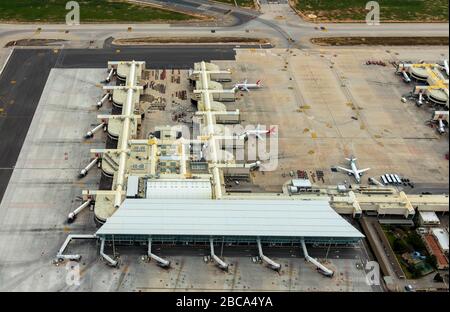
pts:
[429, 216]
[132, 186]
[300, 218]
[181, 188]
[442, 238]
[301, 183]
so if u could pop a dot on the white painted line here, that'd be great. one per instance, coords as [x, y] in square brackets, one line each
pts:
[6, 62]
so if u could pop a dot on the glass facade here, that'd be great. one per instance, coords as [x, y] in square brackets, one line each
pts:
[228, 240]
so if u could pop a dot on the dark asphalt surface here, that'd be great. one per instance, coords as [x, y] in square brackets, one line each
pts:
[25, 76]
[428, 188]
[21, 85]
[180, 57]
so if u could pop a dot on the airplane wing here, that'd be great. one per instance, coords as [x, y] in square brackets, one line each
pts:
[246, 89]
[363, 170]
[345, 169]
[260, 137]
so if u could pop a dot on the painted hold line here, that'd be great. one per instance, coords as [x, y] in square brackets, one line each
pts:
[6, 62]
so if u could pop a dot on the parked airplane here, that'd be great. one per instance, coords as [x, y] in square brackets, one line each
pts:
[258, 132]
[245, 86]
[441, 126]
[354, 170]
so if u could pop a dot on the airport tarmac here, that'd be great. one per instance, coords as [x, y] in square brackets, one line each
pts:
[44, 185]
[21, 84]
[305, 93]
[329, 105]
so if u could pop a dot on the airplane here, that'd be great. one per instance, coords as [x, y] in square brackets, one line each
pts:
[258, 132]
[244, 86]
[354, 170]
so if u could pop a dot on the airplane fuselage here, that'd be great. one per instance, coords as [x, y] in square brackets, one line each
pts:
[242, 86]
[355, 171]
[257, 131]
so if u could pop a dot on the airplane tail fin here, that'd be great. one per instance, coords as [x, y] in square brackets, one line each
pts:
[272, 130]
[258, 83]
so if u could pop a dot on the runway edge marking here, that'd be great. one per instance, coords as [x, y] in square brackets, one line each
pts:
[6, 61]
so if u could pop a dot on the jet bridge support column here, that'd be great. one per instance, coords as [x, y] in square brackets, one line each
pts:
[161, 262]
[76, 257]
[222, 264]
[320, 267]
[272, 264]
[110, 260]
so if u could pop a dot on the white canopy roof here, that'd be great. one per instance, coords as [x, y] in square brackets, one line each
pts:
[299, 218]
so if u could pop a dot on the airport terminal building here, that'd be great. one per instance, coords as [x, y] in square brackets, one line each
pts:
[233, 222]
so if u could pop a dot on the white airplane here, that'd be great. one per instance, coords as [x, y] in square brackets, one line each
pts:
[245, 86]
[354, 170]
[258, 132]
